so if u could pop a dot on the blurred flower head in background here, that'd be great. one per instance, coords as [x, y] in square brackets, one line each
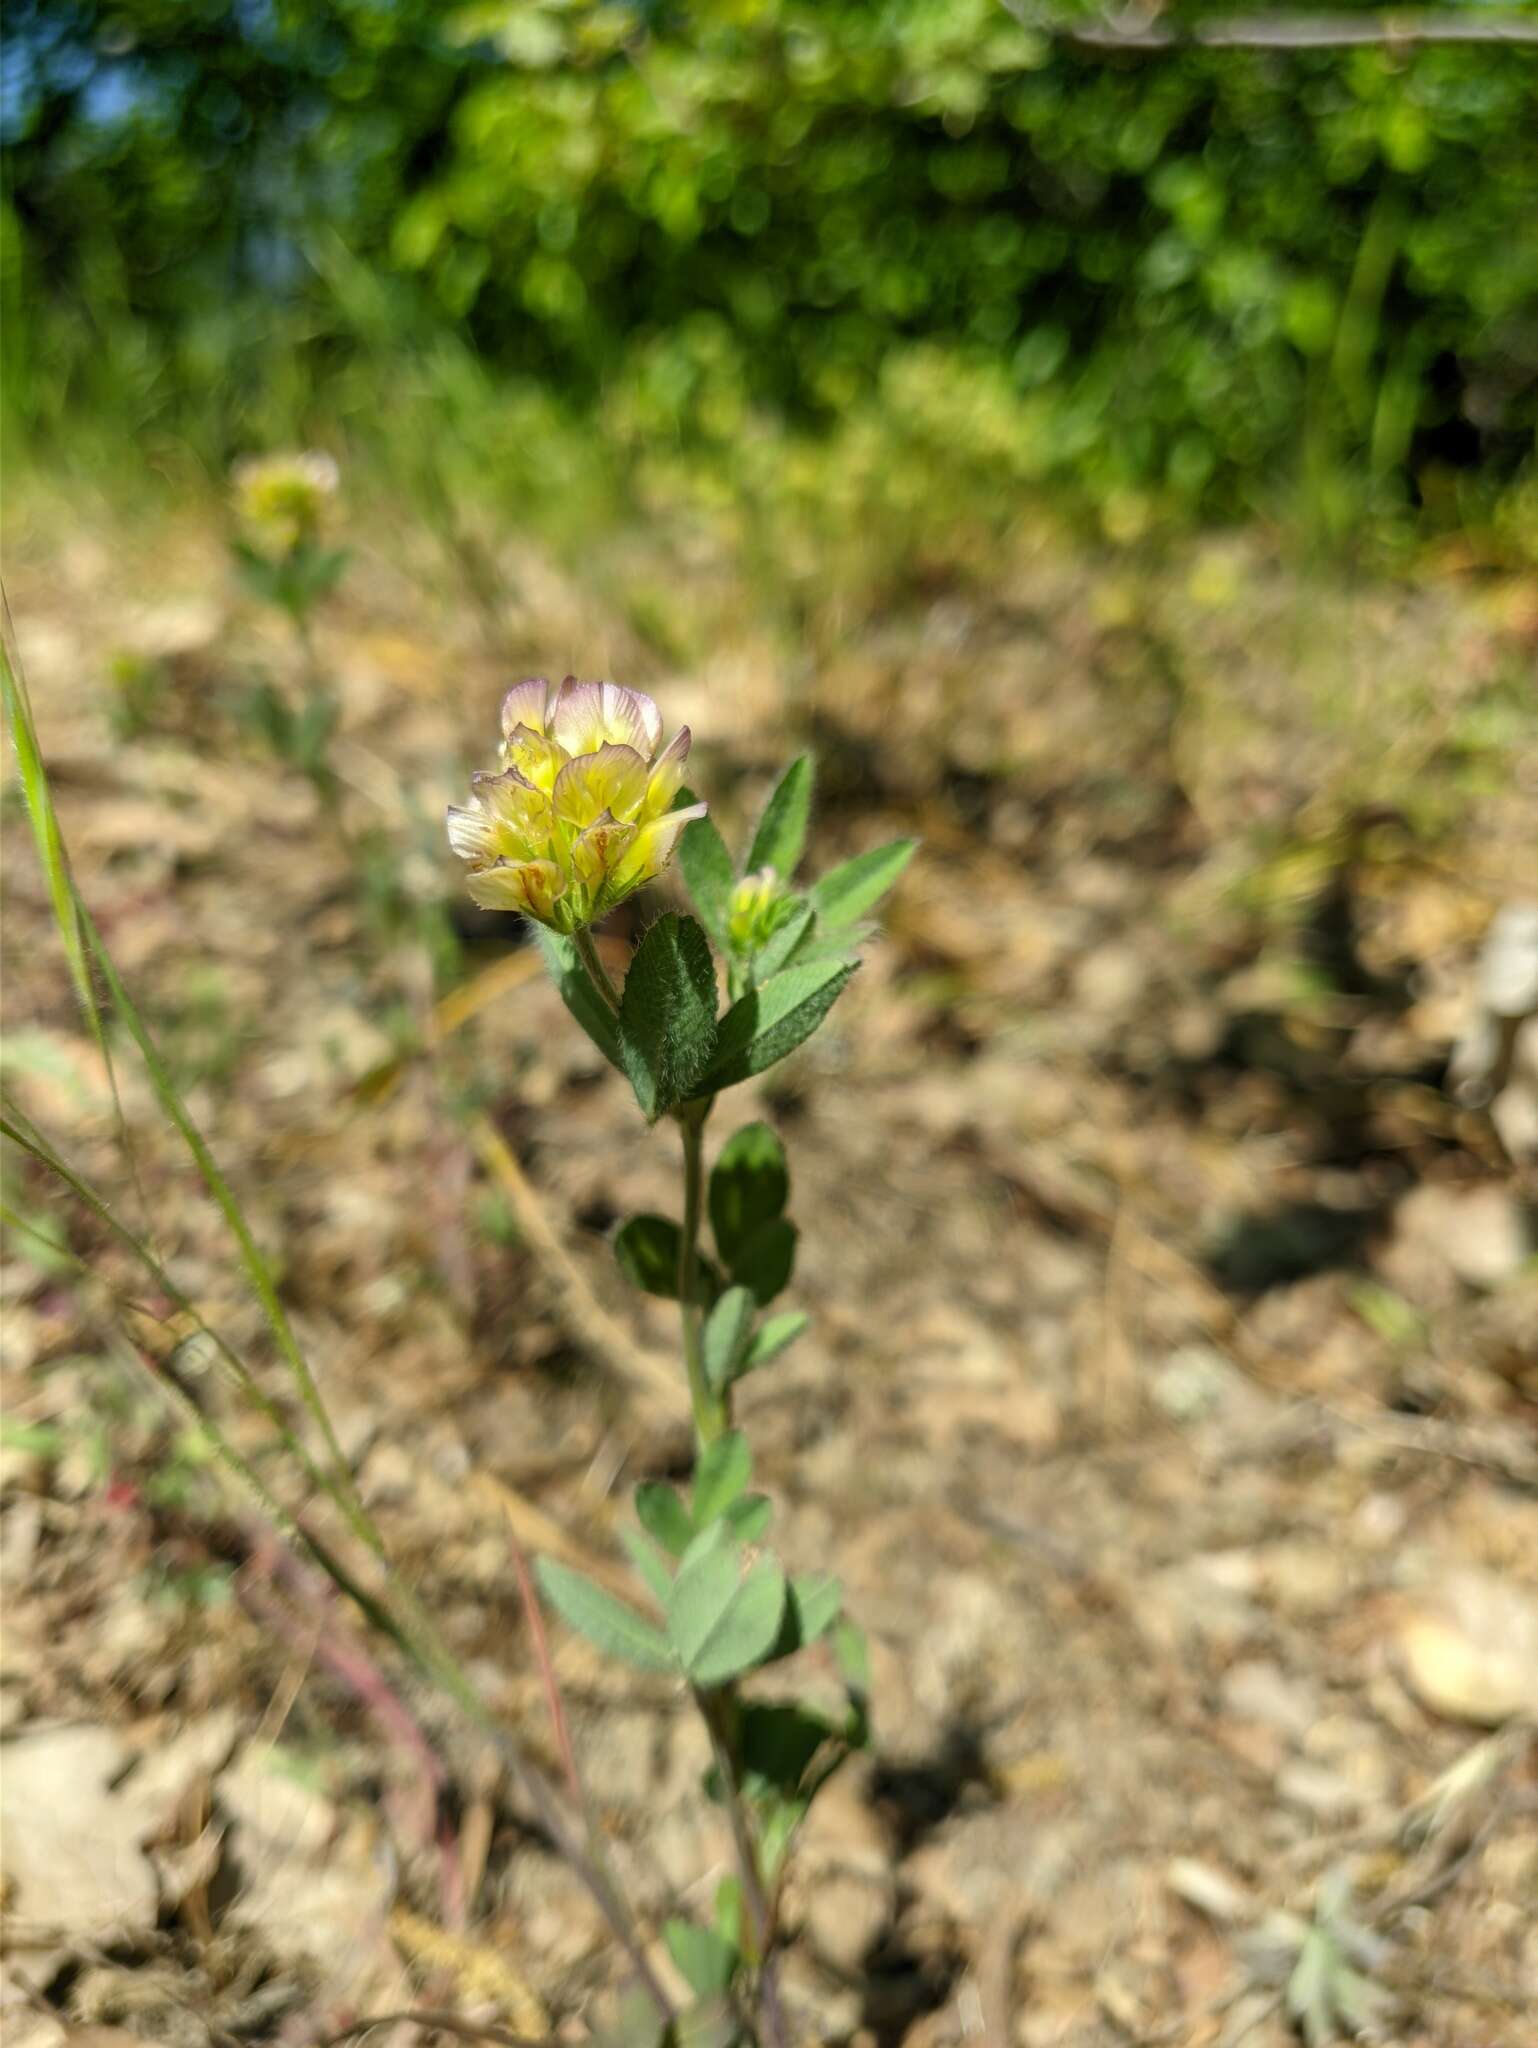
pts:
[578, 818]
[282, 500]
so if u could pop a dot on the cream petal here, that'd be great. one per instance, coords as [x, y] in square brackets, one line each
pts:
[596, 852]
[532, 886]
[652, 848]
[535, 759]
[525, 704]
[667, 774]
[613, 779]
[471, 833]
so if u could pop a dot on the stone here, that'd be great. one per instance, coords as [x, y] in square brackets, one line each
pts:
[1469, 1648]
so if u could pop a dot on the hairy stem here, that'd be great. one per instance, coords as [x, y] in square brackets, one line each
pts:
[597, 973]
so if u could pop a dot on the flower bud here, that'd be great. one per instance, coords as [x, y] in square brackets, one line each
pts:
[578, 817]
[757, 909]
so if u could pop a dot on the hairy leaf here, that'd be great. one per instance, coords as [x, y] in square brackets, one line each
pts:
[707, 871]
[706, 1960]
[781, 831]
[667, 1019]
[768, 1022]
[648, 1247]
[847, 892]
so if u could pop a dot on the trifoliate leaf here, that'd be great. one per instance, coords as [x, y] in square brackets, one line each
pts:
[781, 831]
[749, 1517]
[815, 1599]
[667, 1018]
[787, 935]
[606, 1622]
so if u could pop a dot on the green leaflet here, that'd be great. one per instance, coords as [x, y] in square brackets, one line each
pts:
[847, 892]
[781, 831]
[719, 1623]
[606, 1622]
[707, 871]
[647, 1248]
[749, 1186]
[771, 1021]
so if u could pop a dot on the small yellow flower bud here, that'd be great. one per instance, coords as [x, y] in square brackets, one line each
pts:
[579, 816]
[757, 908]
[282, 500]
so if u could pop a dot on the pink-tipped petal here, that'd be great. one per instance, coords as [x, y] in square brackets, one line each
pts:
[525, 704]
[576, 717]
[631, 718]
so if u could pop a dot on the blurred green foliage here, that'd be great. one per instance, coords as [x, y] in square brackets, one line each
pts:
[727, 234]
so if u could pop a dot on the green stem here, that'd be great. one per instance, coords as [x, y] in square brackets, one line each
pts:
[597, 973]
[710, 1417]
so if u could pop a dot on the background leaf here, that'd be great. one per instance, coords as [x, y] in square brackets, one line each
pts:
[667, 1019]
[606, 1622]
[781, 831]
[749, 1186]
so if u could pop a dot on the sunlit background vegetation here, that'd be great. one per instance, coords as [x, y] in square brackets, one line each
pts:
[825, 274]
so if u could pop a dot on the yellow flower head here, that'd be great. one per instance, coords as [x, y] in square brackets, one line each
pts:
[756, 910]
[578, 818]
[281, 500]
